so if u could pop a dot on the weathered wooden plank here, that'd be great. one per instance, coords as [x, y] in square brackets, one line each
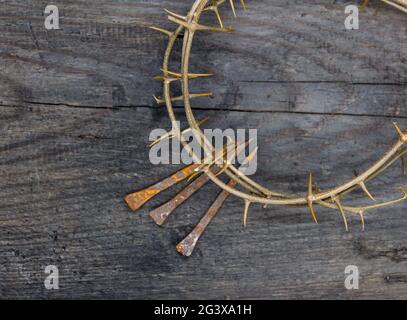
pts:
[62, 188]
[322, 99]
[94, 60]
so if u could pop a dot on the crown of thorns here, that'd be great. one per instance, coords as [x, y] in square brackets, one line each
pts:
[239, 184]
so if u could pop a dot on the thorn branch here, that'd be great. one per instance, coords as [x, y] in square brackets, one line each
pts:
[310, 199]
[214, 8]
[254, 192]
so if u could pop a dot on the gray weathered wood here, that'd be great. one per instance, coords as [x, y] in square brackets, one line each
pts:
[76, 111]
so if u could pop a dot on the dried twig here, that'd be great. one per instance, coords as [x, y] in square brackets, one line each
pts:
[256, 193]
[241, 185]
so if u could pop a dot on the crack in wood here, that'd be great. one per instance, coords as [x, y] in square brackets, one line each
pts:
[220, 109]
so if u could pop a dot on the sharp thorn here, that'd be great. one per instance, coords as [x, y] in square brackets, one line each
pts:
[219, 17]
[364, 188]
[311, 207]
[402, 135]
[232, 5]
[362, 219]
[310, 199]
[200, 95]
[165, 78]
[198, 75]
[174, 74]
[310, 185]
[202, 121]
[246, 212]
[158, 100]
[340, 207]
[175, 15]
[168, 33]
[215, 9]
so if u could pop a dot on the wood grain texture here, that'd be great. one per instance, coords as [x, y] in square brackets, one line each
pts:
[75, 115]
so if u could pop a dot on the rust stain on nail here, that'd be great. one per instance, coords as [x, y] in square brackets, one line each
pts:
[161, 214]
[187, 246]
[137, 199]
